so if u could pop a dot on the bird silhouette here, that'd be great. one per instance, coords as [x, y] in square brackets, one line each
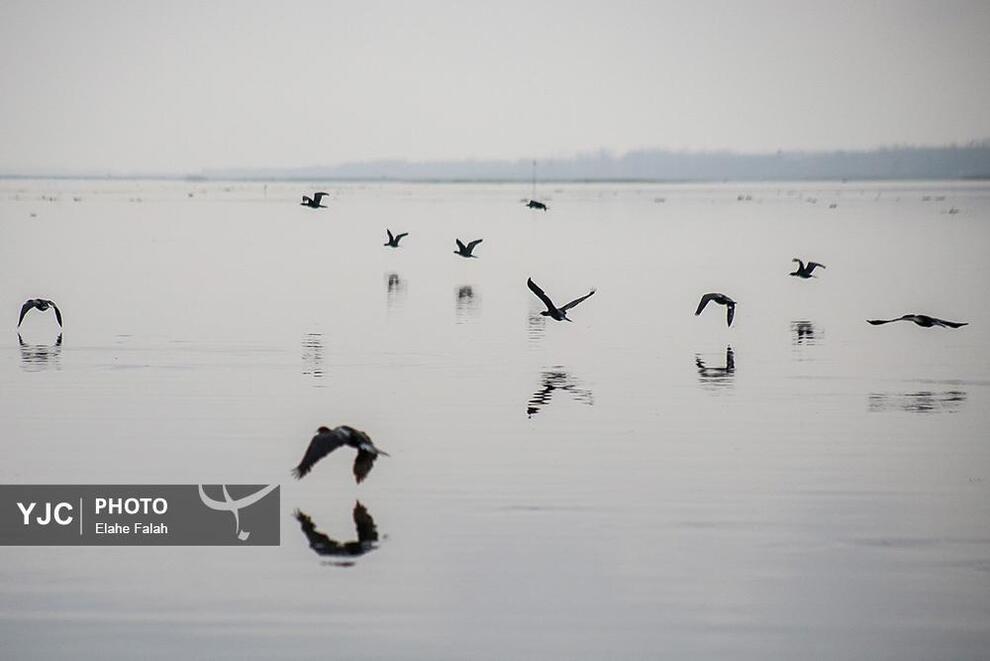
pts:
[364, 525]
[721, 299]
[393, 241]
[327, 440]
[804, 270]
[552, 311]
[466, 250]
[41, 304]
[533, 204]
[314, 202]
[922, 320]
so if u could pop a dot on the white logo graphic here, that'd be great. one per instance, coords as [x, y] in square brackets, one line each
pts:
[228, 504]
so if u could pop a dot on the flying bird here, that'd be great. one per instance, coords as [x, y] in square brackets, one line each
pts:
[922, 320]
[533, 204]
[804, 270]
[721, 299]
[314, 202]
[552, 311]
[466, 250]
[327, 440]
[42, 304]
[393, 241]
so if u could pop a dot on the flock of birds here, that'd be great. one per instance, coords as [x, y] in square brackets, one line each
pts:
[327, 440]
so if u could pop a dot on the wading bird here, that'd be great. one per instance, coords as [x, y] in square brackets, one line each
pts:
[327, 440]
[393, 241]
[314, 202]
[804, 270]
[466, 250]
[42, 304]
[721, 299]
[552, 311]
[533, 204]
[922, 320]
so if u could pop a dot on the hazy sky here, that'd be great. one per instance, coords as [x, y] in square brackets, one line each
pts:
[179, 86]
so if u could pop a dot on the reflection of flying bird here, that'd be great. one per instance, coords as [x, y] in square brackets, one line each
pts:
[552, 311]
[533, 204]
[367, 535]
[466, 250]
[41, 304]
[556, 379]
[721, 299]
[709, 372]
[804, 270]
[314, 202]
[327, 440]
[922, 320]
[393, 241]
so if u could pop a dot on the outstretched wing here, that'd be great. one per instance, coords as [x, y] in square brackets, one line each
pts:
[471, 245]
[363, 463]
[367, 532]
[319, 196]
[391, 239]
[730, 313]
[813, 265]
[878, 322]
[703, 302]
[576, 301]
[953, 324]
[321, 445]
[398, 237]
[318, 541]
[535, 288]
[58, 313]
[800, 263]
[24, 310]
[460, 246]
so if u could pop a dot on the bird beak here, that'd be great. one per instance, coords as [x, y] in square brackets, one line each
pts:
[383, 452]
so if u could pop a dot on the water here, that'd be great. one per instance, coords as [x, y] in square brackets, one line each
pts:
[640, 483]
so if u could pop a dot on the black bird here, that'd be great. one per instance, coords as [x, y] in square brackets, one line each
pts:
[922, 320]
[804, 270]
[466, 250]
[327, 440]
[533, 204]
[552, 311]
[314, 202]
[721, 299]
[706, 372]
[393, 241]
[42, 304]
[367, 535]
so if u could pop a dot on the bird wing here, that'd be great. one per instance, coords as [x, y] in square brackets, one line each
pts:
[363, 463]
[318, 541]
[540, 294]
[307, 199]
[398, 237]
[58, 313]
[878, 322]
[471, 245]
[364, 524]
[952, 324]
[730, 312]
[321, 445]
[319, 196]
[576, 301]
[800, 263]
[24, 310]
[704, 301]
[813, 265]
[391, 238]
[460, 246]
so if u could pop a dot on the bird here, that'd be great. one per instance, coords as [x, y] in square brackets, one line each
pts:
[721, 299]
[327, 440]
[465, 251]
[393, 241]
[552, 311]
[42, 304]
[804, 270]
[367, 534]
[533, 204]
[314, 202]
[922, 320]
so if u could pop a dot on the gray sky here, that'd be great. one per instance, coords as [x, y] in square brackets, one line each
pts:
[179, 86]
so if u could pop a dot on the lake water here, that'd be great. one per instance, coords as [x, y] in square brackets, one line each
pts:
[640, 483]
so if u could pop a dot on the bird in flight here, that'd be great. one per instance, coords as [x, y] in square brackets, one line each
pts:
[393, 240]
[922, 320]
[552, 311]
[466, 250]
[42, 304]
[533, 204]
[721, 299]
[804, 270]
[327, 440]
[314, 202]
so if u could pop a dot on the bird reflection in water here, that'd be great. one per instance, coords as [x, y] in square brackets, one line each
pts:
[717, 376]
[367, 537]
[312, 355]
[557, 378]
[805, 332]
[395, 289]
[466, 303]
[924, 401]
[37, 357]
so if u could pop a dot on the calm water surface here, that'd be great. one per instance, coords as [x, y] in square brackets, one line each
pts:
[641, 483]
